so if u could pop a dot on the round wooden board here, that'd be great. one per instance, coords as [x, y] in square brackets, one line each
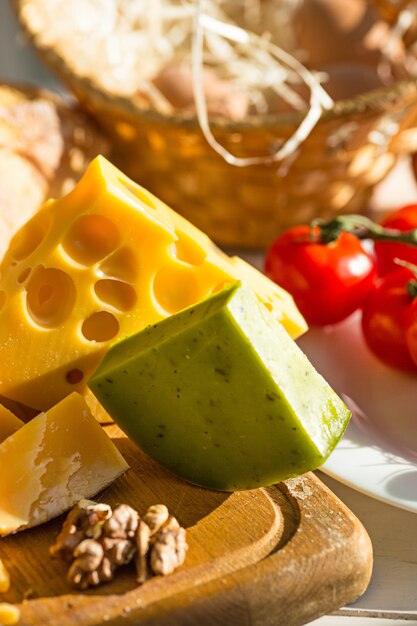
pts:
[267, 556]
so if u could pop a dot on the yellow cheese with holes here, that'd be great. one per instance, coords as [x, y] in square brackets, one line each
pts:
[95, 266]
[53, 461]
[9, 423]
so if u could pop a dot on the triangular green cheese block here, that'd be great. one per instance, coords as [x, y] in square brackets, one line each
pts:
[221, 395]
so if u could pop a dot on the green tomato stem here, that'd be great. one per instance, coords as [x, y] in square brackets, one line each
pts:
[363, 228]
[412, 289]
[412, 284]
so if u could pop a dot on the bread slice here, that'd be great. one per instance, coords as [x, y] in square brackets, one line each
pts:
[45, 147]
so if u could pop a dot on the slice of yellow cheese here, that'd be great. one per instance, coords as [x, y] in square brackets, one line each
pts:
[101, 263]
[9, 423]
[52, 462]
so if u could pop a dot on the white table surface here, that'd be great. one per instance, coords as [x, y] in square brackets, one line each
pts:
[392, 592]
[391, 597]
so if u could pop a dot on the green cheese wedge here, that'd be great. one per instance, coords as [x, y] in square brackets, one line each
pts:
[221, 395]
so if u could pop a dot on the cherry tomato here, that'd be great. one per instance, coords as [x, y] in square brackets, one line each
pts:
[328, 281]
[386, 251]
[385, 314]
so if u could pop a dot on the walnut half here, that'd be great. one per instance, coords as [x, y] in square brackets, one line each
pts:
[97, 540]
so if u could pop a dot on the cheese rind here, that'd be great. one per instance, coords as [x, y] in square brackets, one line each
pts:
[221, 395]
[95, 266]
[52, 462]
[9, 423]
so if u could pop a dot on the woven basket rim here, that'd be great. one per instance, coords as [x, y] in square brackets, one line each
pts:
[369, 102]
[366, 103]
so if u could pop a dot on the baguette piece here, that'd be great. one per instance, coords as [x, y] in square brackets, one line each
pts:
[45, 147]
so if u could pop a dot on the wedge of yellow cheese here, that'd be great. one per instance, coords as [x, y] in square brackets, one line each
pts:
[52, 462]
[101, 263]
[9, 423]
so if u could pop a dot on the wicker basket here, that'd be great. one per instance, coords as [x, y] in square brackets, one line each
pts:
[390, 9]
[351, 149]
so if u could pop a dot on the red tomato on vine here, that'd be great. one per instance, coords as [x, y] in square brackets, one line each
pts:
[328, 281]
[403, 219]
[386, 317]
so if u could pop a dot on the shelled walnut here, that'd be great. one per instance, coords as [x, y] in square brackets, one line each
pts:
[97, 540]
[84, 521]
[169, 548]
[161, 543]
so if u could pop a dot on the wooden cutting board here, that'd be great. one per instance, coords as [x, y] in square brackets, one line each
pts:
[281, 555]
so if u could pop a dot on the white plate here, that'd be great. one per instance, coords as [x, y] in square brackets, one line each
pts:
[378, 453]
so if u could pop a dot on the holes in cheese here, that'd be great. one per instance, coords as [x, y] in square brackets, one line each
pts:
[122, 264]
[117, 294]
[50, 296]
[100, 326]
[113, 259]
[187, 250]
[24, 275]
[75, 376]
[52, 462]
[175, 287]
[220, 286]
[29, 238]
[90, 239]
